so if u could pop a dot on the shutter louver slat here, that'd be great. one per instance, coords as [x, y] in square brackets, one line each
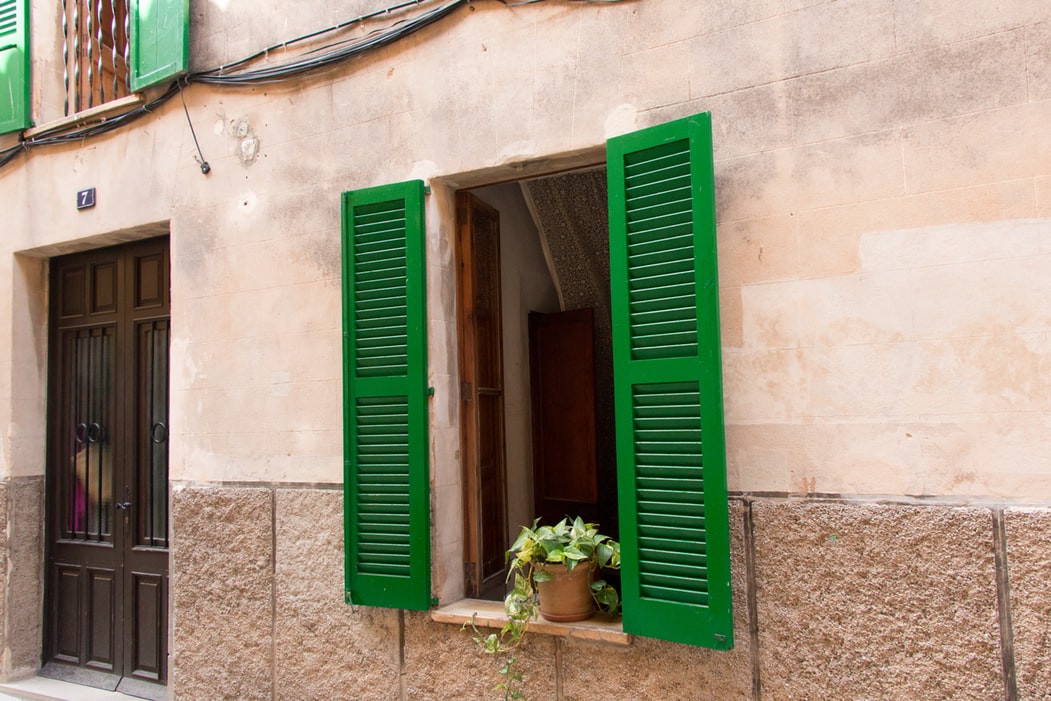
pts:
[671, 465]
[8, 19]
[380, 274]
[382, 511]
[673, 452]
[660, 253]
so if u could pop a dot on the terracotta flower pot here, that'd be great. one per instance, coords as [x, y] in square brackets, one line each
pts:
[567, 597]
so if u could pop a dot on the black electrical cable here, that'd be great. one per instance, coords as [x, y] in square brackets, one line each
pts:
[8, 155]
[284, 71]
[205, 168]
[232, 75]
[342, 25]
[60, 136]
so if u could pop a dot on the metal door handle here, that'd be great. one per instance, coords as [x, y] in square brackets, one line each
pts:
[123, 505]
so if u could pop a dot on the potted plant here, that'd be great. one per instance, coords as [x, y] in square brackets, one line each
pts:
[550, 563]
[562, 560]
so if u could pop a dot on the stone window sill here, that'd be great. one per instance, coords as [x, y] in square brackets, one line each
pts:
[490, 614]
[88, 116]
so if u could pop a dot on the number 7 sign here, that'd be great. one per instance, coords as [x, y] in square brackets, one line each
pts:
[86, 198]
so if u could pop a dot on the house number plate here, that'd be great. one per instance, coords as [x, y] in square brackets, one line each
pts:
[86, 198]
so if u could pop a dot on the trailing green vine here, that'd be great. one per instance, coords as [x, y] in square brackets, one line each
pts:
[520, 606]
[572, 543]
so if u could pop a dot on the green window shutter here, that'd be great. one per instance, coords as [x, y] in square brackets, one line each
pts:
[14, 65]
[671, 448]
[160, 41]
[386, 475]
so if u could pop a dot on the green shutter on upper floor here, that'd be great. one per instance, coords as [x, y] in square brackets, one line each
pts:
[385, 394]
[160, 41]
[14, 65]
[671, 452]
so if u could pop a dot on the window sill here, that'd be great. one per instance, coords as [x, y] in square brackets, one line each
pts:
[88, 116]
[490, 614]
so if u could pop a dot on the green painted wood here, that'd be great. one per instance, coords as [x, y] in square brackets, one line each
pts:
[671, 453]
[14, 65]
[386, 474]
[160, 41]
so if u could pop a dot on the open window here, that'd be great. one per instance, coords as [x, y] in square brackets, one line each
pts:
[110, 49]
[535, 362]
[113, 48]
[595, 390]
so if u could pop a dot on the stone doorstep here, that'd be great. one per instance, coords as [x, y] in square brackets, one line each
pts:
[490, 614]
[44, 689]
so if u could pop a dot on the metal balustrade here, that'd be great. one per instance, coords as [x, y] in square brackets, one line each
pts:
[95, 52]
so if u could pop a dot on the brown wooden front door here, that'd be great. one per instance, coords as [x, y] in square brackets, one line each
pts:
[107, 568]
[482, 415]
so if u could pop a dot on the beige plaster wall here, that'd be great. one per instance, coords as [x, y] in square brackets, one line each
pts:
[883, 222]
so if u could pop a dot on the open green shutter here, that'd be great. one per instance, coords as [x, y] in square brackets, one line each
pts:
[386, 475]
[671, 452]
[160, 41]
[14, 65]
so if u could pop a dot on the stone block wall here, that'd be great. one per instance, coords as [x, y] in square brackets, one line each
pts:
[222, 593]
[876, 601]
[833, 598]
[1028, 534]
[21, 575]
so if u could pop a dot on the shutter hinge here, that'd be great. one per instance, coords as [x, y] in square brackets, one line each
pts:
[434, 601]
[430, 391]
[426, 189]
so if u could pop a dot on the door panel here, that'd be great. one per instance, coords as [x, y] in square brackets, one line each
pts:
[108, 464]
[562, 378]
[103, 589]
[152, 434]
[150, 604]
[482, 416]
[66, 602]
[86, 496]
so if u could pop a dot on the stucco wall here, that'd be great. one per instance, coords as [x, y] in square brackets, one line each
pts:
[883, 178]
[882, 218]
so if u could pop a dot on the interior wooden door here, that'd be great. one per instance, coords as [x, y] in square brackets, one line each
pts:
[107, 525]
[562, 379]
[482, 413]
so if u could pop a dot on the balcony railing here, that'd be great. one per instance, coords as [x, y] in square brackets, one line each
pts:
[95, 52]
